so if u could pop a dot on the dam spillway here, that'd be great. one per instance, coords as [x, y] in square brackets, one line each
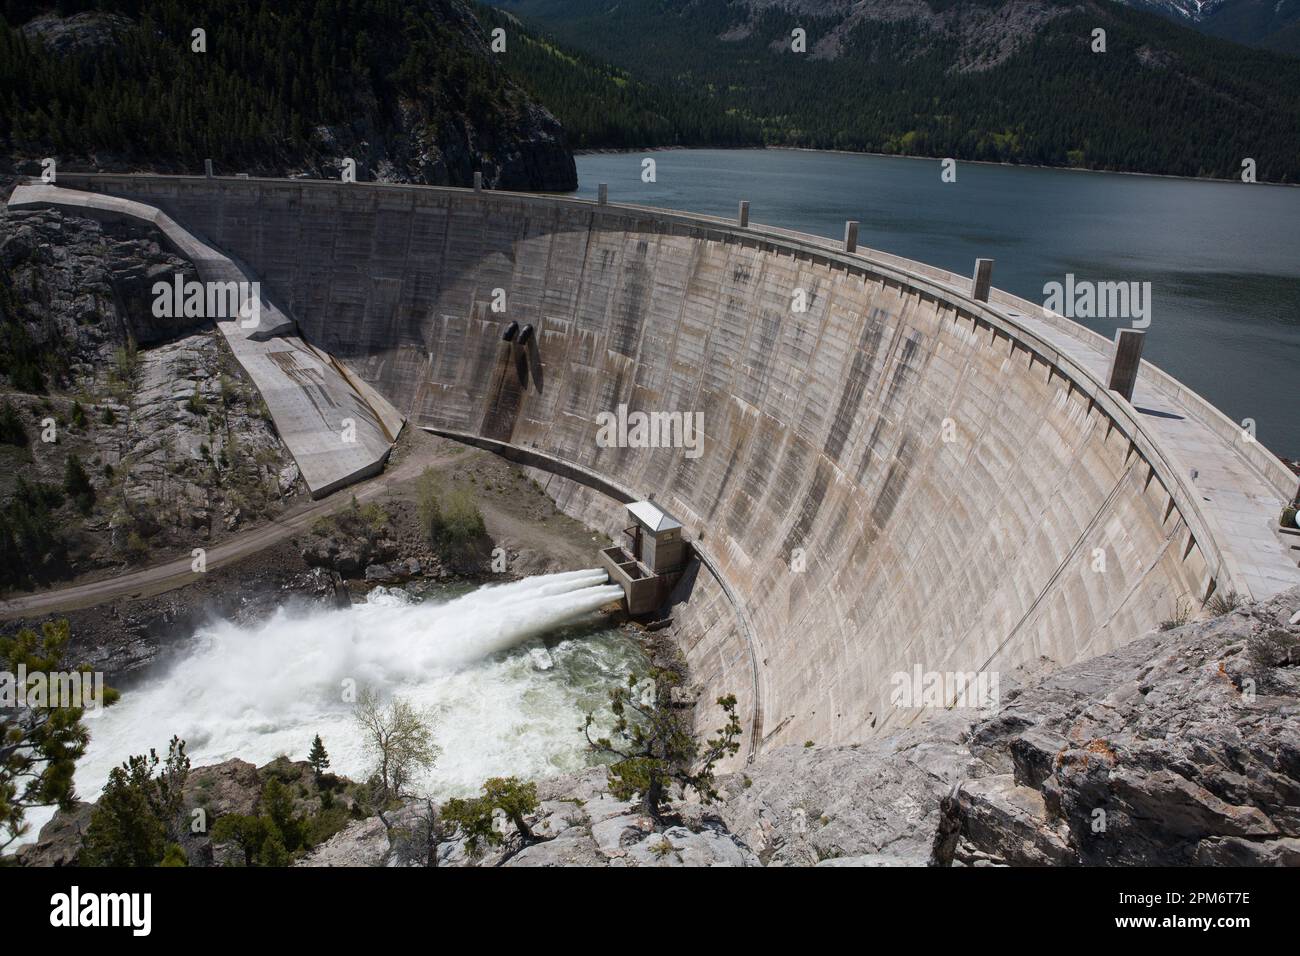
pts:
[897, 476]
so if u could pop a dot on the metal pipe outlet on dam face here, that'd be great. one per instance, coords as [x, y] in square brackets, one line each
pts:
[896, 478]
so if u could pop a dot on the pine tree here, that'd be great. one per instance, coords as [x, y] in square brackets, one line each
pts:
[139, 817]
[76, 483]
[475, 817]
[273, 852]
[41, 744]
[318, 758]
[655, 747]
[245, 831]
[277, 809]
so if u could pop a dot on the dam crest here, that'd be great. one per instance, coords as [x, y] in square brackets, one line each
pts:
[900, 475]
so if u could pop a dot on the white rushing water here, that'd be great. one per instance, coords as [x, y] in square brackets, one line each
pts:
[505, 701]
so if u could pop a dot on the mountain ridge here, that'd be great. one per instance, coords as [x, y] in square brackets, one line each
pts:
[1013, 81]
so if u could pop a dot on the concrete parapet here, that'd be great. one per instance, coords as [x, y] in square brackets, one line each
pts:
[982, 280]
[1125, 362]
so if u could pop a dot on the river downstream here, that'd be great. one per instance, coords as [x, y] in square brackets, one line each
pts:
[507, 673]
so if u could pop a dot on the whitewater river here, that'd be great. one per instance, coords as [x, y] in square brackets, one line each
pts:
[509, 671]
[1223, 259]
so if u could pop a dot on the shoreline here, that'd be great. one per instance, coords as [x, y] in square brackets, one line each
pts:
[613, 151]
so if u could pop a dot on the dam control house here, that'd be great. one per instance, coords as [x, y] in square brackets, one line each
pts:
[648, 570]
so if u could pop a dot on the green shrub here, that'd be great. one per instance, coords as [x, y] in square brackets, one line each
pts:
[136, 549]
[1288, 517]
[462, 522]
[428, 502]
[1224, 602]
[31, 539]
[330, 820]
[12, 431]
[451, 520]
[196, 403]
[126, 362]
[77, 486]
[175, 856]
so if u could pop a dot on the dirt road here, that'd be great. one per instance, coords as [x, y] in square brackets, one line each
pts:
[177, 573]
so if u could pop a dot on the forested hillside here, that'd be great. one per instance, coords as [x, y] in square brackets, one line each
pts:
[602, 106]
[407, 88]
[975, 79]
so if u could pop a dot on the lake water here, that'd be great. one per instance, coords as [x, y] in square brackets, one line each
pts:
[1223, 259]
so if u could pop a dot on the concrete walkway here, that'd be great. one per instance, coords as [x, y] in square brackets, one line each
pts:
[1239, 501]
[337, 427]
[1241, 486]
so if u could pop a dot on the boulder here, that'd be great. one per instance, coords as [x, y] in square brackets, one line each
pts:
[231, 787]
[59, 841]
[364, 843]
[572, 848]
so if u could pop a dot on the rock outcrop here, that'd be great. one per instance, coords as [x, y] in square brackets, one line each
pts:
[175, 440]
[578, 822]
[1182, 747]
[77, 291]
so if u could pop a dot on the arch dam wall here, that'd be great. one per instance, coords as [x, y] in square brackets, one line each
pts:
[824, 431]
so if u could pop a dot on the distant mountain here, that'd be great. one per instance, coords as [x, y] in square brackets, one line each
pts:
[408, 88]
[1270, 24]
[1000, 80]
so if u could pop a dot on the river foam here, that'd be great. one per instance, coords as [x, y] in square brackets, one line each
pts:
[256, 692]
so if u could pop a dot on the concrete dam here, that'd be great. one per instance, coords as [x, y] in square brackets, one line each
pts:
[898, 478]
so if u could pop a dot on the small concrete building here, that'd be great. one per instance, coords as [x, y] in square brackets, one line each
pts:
[656, 537]
[647, 571]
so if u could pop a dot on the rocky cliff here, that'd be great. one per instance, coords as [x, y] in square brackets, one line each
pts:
[175, 443]
[1181, 747]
